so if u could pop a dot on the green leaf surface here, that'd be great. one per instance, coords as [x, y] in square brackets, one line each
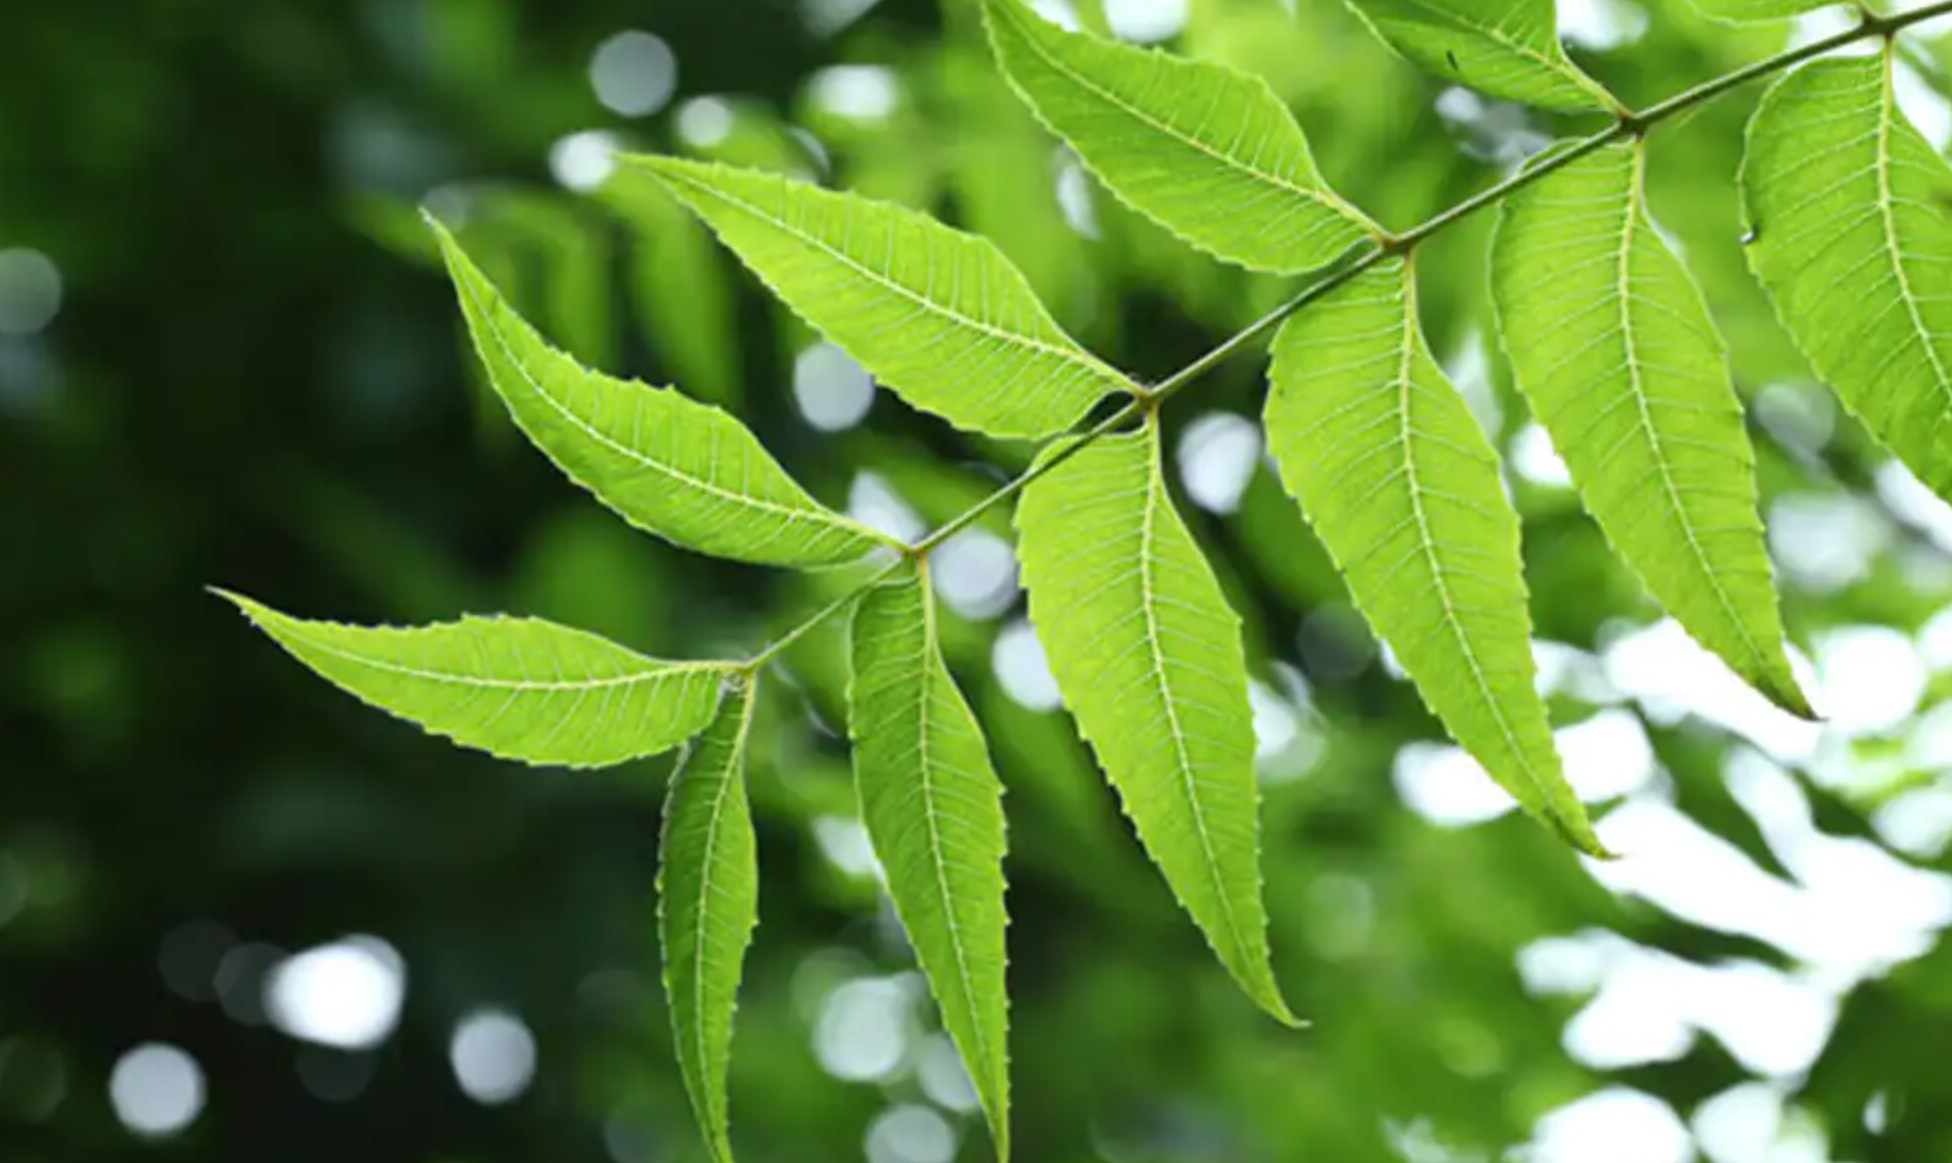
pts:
[519, 688]
[685, 471]
[933, 808]
[939, 316]
[1612, 343]
[1148, 656]
[1502, 48]
[1851, 213]
[1403, 489]
[1209, 153]
[708, 901]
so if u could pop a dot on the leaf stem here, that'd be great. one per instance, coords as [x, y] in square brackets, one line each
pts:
[1359, 258]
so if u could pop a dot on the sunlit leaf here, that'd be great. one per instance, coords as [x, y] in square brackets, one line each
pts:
[1502, 48]
[1851, 213]
[708, 898]
[1612, 343]
[683, 470]
[1148, 656]
[1208, 152]
[519, 688]
[939, 316]
[1403, 488]
[1761, 9]
[933, 808]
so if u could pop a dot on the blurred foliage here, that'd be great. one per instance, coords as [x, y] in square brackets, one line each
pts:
[255, 378]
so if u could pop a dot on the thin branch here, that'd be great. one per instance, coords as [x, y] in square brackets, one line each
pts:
[1361, 257]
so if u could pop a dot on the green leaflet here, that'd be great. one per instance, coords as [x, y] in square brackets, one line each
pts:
[1401, 485]
[1502, 48]
[933, 808]
[708, 900]
[519, 688]
[1148, 656]
[1211, 154]
[1612, 343]
[1741, 10]
[1851, 238]
[939, 316]
[682, 470]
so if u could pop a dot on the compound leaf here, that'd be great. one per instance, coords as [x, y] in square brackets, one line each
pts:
[1401, 485]
[684, 471]
[1148, 656]
[1502, 48]
[933, 808]
[1848, 206]
[1211, 154]
[939, 316]
[1612, 343]
[519, 688]
[708, 900]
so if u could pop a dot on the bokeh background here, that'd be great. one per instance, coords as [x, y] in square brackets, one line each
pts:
[243, 918]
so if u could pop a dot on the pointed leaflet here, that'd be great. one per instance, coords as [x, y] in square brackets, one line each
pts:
[708, 899]
[1148, 656]
[520, 688]
[1209, 153]
[1502, 48]
[933, 807]
[1612, 343]
[1401, 485]
[1852, 216]
[682, 470]
[939, 316]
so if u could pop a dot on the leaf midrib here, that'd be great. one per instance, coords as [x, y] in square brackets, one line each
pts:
[1068, 354]
[809, 513]
[730, 771]
[664, 670]
[1887, 107]
[1155, 492]
[1629, 233]
[1321, 197]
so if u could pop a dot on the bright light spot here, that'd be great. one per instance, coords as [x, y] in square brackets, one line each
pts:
[1058, 12]
[583, 161]
[844, 842]
[1871, 678]
[862, 1033]
[1672, 676]
[834, 392]
[1275, 722]
[857, 92]
[1922, 104]
[346, 994]
[1020, 665]
[826, 17]
[1566, 965]
[976, 573]
[30, 291]
[874, 503]
[910, 1133]
[943, 1078]
[1615, 1125]
[1606, 756]
[1534, 458]
[493, 1055]
[1601, 24]
[1917, 823]
[634, 73]
[1802, 416]
[1469, 367]
[1568, 670]
[1631, 1020]
[156, 1089]
[1740, 1124]
[1074, 197]
[1218, 454]
[1145, 21]
[705, 121]
[1825, 543]
[1911, 500]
